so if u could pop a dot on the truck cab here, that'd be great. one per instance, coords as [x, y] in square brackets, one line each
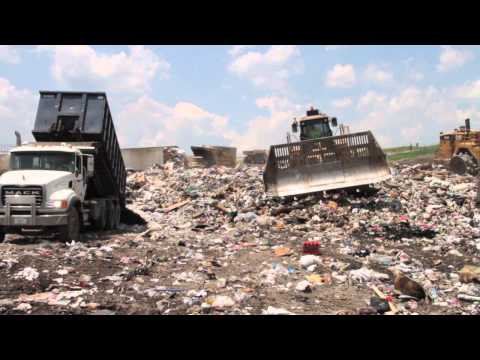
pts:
[43, 183]
[315, 125]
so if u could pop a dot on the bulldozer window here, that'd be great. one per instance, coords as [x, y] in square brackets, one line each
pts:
[315, 129]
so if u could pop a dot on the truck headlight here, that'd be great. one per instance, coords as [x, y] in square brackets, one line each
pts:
[57, 204]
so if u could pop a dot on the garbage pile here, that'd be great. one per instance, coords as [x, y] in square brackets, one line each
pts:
[174, 155]
[215, 243]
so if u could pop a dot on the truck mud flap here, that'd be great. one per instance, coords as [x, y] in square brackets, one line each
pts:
[325, 164]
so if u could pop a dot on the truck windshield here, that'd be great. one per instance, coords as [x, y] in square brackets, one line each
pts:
[59, 161]
[315, 129]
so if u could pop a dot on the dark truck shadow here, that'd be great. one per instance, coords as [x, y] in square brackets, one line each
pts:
[129, 217]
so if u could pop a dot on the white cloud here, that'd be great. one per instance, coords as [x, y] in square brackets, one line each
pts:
[9, 54]
[377, 74]
[408, 98]
[17, 112]
[371, 99]
[79, 66]
[238, 49]
[451, 58]
[374, 121]
[469, 91]
[342, 103]
[412, 115]
[342, 76]
[270, 69]
[412, 133]
[263, 131]
[147, 122]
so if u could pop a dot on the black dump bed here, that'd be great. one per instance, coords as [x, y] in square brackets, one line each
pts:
[84, 117]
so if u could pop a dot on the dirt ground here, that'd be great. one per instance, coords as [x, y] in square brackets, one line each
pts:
[147, 270]
[49, 255]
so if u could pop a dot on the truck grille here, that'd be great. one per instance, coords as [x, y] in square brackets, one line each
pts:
[37, 191]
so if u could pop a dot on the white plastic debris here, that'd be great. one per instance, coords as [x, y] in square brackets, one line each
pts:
[27, 273]
[303, 286]
[308, 260]
[364, 275]
[276, 311]
[222, 301]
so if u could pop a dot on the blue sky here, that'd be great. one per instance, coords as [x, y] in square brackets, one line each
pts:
[247, 96]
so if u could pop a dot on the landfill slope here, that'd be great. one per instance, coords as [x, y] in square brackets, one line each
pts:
[215, 243]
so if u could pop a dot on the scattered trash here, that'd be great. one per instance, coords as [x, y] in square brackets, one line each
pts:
[24, 307]
[307, 260]
[364, 275]
[316, 279]
[211, 240]
[468, 297]
[27, 273]
[221, 302]
[304, 286]
[469, 273]
[276, 311]
[283, 251]
[311, 247]
[380, 305]
[407, 286]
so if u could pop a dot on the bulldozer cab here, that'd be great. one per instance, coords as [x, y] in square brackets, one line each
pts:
[313, 126]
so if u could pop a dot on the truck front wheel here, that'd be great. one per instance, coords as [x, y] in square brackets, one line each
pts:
[71, 231]
[2, 236]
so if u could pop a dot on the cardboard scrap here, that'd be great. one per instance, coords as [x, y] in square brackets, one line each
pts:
[283, 251]
[175, 206]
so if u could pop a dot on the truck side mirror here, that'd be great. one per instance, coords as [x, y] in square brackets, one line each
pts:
[334, 122]
[90, 166]
[294, 127]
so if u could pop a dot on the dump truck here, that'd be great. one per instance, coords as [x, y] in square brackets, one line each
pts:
[72, 176]
[321, 161]
[460, 149]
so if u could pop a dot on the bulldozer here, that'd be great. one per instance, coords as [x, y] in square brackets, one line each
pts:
[321, 161]
[460, 149]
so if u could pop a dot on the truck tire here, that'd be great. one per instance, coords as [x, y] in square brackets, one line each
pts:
[116, 218]
[71, 231]
[462, 164]
[110, 215]
[100, 223]
[2, 236]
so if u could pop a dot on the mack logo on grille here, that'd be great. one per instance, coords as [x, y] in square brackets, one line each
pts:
[23, 192]
[14, 190]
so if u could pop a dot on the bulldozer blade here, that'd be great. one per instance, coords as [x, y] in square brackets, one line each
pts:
[329, 163]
